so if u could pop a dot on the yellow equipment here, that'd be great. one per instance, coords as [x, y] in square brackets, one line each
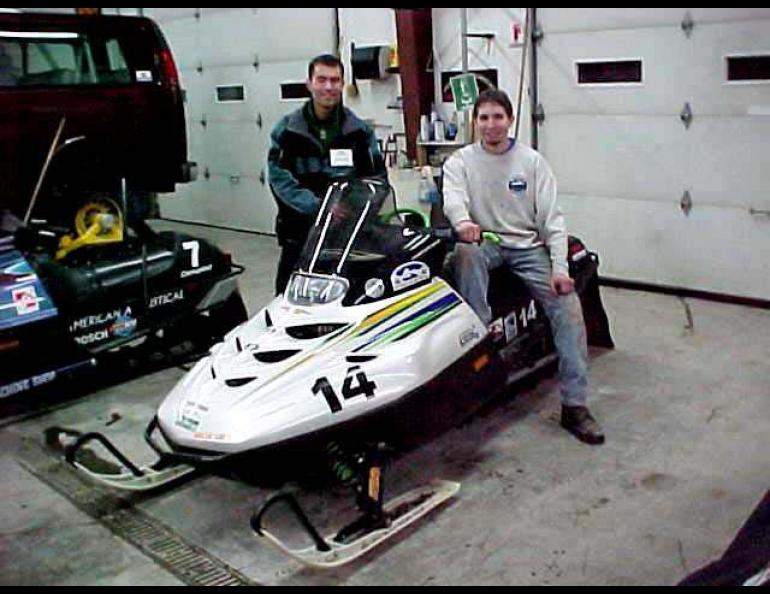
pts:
[96, 223]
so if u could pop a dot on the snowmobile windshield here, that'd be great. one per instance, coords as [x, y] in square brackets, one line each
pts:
[355, 244]
[349, 230]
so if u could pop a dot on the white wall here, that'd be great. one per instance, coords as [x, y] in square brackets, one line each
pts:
[370, 27]
[498, 53]
[376, 26]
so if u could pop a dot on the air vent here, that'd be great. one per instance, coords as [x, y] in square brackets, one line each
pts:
[357, 359]
[313, 331]
[231, 94]
[610, 72]
[294, 91]
[274, 356]
[748, 68]
[240, 382]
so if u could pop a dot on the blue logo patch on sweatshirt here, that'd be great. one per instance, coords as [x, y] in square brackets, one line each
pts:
[517, 185]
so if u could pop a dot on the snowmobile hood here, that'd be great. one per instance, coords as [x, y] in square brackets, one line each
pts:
[364, 322]
[292, 371]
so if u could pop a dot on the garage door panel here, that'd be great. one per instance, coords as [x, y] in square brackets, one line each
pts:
[231, 150]
[231, 128]
[717, 15]
[248, 205]
[732, 162]
[672, 249]
[290, 34]
[214, 77]
[196, 147]
[272, 76]
[666, 58]
[227, 42]
[188, 198]
[197, 99]
[624, 158]
[168, 16]
[216, 201]
[219, 30]
[555, 20]
[183, 36]
[632, 157]
[707, 83]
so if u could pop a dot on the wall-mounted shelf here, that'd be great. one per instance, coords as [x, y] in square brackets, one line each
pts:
[425, 149]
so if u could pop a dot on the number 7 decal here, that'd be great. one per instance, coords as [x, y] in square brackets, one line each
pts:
[195, 253]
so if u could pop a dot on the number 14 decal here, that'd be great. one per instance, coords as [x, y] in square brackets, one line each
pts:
[519, 320]
[356, 384]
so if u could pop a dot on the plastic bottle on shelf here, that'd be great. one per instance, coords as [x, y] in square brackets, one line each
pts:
[434, 123]
[427, 192]
[451, 128]
[425, 129]
[439, 132]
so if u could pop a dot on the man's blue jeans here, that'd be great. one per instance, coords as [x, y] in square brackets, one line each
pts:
[472, 265]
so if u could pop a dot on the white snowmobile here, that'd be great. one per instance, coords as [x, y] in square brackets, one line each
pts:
[368, 324]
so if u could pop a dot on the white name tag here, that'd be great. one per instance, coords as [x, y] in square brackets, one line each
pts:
[342, 158]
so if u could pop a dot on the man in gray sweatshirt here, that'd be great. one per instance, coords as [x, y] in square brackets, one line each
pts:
[503, 186]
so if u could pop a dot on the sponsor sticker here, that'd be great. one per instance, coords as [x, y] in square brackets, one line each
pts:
[26, 301]
[471, 335]
[197, 271]
[191, 415]
[409, 274]
[517, 184]
[26, 384]
[167, 299]
[100, 319]
[92, 338]
[124, 326]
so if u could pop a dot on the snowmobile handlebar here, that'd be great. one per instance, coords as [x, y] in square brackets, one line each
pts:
[449, 235]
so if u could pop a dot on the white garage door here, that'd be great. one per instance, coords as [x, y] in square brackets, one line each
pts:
[241, 51]
[627, 162]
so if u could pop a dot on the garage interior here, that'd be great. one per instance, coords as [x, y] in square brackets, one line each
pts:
[661, 171]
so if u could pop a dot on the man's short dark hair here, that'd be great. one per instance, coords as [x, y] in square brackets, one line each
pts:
[494, 96]
[325, 60]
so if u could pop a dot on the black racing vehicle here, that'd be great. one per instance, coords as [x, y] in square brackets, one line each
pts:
[63, 315]
[84, 280]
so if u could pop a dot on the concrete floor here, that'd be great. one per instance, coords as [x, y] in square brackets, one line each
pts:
[686, 410]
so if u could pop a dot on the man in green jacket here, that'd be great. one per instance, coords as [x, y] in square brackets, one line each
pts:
[312, 148]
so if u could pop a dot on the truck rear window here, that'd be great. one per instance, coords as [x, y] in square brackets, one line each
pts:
[62, 59]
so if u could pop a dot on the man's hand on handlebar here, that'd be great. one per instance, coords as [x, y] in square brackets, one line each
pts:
[469, 232]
